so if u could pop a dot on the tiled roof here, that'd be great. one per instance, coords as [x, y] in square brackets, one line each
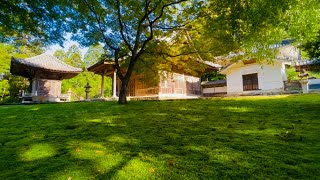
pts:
[218, 83]
[305, 62]
[214, 65]
[47, 62]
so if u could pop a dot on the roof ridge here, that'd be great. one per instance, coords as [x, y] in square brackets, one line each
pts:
[48, 62]
[53, 58]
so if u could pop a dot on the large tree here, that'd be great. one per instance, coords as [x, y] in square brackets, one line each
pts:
[126, 28]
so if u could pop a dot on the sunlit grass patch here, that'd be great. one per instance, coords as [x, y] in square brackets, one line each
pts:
[71, 174]
[37, 151]
[138, 169]
[237, 109]
[94, 120]
[122, 139]
[254, 98]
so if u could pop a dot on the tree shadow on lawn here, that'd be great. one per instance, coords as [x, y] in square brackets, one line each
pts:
[218, 138]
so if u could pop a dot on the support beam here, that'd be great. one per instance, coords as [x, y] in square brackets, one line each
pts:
[114, 84]
[102, 86]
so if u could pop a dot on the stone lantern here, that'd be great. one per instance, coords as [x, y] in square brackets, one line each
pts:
[87, 91]
[69, 95]
[304, 80]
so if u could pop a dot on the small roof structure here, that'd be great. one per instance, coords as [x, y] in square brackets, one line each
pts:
[310, 65]
[211, 65]
[102, 67]
[43, 66]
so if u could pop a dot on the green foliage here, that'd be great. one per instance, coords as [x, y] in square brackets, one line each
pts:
[219, 138]
[93, 55]
[60, 54]
[254, 27]
[4, 90]
[76, 84]
[32, 19]
[6, 52]
[312, 48]
[73, 57]
[12, 86]
[315, 74]
[213, 76]
[292, 75]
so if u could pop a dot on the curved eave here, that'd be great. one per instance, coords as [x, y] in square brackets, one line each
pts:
[102, 67]
[28, 71]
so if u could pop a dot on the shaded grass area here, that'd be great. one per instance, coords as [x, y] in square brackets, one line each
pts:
[222, 138]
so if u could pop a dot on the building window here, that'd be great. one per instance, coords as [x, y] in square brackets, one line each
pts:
[250, 82]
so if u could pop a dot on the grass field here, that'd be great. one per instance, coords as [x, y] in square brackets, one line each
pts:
[223, 138]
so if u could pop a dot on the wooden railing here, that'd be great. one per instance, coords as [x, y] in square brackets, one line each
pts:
[27, 97]
[147, 91]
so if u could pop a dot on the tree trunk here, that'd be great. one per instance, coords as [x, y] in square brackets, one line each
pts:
[123, 92]
[125, 80]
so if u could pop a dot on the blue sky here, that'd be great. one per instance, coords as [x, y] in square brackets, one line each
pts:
[51, 49]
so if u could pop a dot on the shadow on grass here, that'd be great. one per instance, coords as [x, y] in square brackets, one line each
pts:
[258, 137]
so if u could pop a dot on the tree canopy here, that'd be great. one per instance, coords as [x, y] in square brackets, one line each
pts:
[33, 19]
[252, 28]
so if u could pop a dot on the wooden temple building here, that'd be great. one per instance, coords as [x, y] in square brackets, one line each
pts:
[178, 84]
[45, 73]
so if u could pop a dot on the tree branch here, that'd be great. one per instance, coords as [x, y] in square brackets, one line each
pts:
[163, 7]
[147, 12]
[91, 8]
[117, 66]
[121, 27]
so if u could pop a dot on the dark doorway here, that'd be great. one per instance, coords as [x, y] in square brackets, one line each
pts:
[250, 82]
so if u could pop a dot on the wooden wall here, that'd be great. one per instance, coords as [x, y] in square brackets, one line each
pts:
[45, 87]
[139, 86]
[174, 85]
[180, 84]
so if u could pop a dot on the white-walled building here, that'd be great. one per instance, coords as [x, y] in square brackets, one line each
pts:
[249, 77]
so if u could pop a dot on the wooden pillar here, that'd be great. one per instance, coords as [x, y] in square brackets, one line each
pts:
[114, 84]
[30, 85]
[34, 87]
[102, 85]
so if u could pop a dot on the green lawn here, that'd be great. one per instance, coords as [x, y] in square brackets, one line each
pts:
[223, 138]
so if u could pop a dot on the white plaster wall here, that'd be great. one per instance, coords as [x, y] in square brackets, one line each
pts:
[273, 76]
[215, 90]
[270, 77]
[234, 77]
